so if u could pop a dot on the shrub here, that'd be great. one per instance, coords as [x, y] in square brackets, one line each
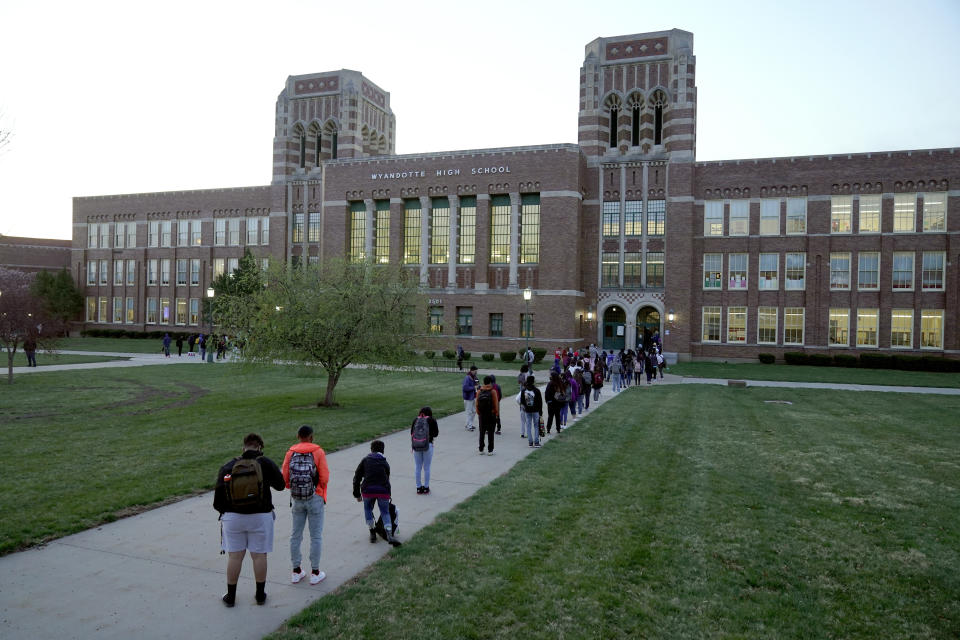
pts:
[487, 357]
[845, 360]
[508, 356]
[876, 361]
[538, 353]
[767, 358]
[449, 354]
[907, 363]
[429, 354]
[940, 364]
[796, 357]
[466, 355]
[820, 359]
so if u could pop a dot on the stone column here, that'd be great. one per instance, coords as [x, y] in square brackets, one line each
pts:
[482, 255]
[454, 226]
[514, 238]
[368, 229]
[425, 211]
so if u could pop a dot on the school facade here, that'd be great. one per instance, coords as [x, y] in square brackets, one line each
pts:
[601, 241]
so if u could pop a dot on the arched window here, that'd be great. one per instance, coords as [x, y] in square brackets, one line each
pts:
[301, 137]
[613, 105]
[330, 136]
[317, 140]
[659, 101]
[636, 106]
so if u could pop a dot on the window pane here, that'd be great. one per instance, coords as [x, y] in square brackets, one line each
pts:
[611, 219]
[795, 271]
[931, 329]
[381, 240]
[841, 212]
[656, 217]
[499, 230]
[769, 217]
[436, 320]
[358, 231]
[713, 218]
[496, 324]
[739, 218]
[867, 323]
[654, 268]
[711, 324]
[610, 269]
[411, 232]
[903, 270]
[530, 229]
[869, 214]
[632, 269]
[904, 212]
[868, 270]
[793, 325]
[934, 212]
[736, 324]
[796, 215]
[901, 328]
[840, 271]
[769, 271]
[440, 231]
[737, 271]
[633, 218]
[839, 328]
[932, 275]
[468, 230]
[464, 321]
[767, 325]
[712, 271]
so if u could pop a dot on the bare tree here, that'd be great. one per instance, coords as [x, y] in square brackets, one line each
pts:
[23, 316]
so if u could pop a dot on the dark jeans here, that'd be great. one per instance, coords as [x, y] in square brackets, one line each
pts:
[553, 412]
[488, 426]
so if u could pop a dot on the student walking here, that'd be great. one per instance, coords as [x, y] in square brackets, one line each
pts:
[423, 430]
[532, 407]
[371, 485]
[179, 346]
[597, 382]
[242, 496]
[469, 390]
[166, 345]
[488, 408]
[553, 394]
[305, 474]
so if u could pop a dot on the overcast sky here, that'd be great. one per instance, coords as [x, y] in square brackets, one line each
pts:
[129, 97]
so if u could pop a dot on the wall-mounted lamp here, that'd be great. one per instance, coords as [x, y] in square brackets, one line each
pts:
[671, 316]
[590, 315]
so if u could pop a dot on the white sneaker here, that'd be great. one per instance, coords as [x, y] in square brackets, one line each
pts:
[489, 453]
[315, 578]
[296, 577]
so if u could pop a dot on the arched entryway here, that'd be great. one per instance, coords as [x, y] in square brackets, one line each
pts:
[648, 321]
[614, 328]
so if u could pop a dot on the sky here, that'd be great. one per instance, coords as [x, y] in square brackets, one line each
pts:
[109, 97]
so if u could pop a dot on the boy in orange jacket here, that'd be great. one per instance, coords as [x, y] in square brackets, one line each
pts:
[305, 474]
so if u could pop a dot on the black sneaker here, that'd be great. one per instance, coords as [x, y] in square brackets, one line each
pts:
[426, 489]
[229, 600]
[261, 598]
[419, 489]
[373, 535]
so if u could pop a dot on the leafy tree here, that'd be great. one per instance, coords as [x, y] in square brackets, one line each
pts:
[61, 298]
[233, 294]
[23, 315]
[330, 315]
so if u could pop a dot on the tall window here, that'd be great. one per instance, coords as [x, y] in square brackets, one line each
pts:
[195, 237]
[467, 230]
[654, 268]
[219, 267]
[632, 270]
[232, 265]
[901, 328]
[796, 216]
[633, 218]
[713, 218]
[381, 236]
[931, 328]
[411, 232]
[739, 218]
[181, 272]
[117, 272]
[132, 235]
[713, 271]
[264, 231]
[164, 272]
[767, 325]
[117, 310]
[635, 125]
[903, 270]
[869, 217]
[496, 325]
[769, 217]
[841, 213]
[868, 270]
[119, 234]
[840, 271]
[195, 271]
[659, 100]
[102, 310]
[297, 227]
[131, 315]
[253, 232]
[194, 311]
[152, 271]
[166, 234]
[313, 226]
[499, 229]
[131, 272]
[436, 320]
[904, 212]
[793, 323]
[153, 234]
[220, 231]
[931, 277]
[183, 233]
[440, 231]
[769, 271]
[105, 235]
[164, 310]
[710, 331]
[92, 235]
[737, 324]
[530, 228]
[737, 271]
[795, 272]
[934, 212]
[234, 226]
[358, 231]
[839, 329]
[610, 269]
[656, 216]
[181, 311]
[151, 311]
[464, 321]
[91, 272]
[104, 271]
[867, 323]
[611, 219]
[614, 114]
[91, 309]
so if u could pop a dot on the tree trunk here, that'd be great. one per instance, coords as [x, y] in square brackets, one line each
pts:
[10, 366]
[332, 380]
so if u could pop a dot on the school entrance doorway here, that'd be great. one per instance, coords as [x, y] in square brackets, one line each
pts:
[614, 329]
[648, 321]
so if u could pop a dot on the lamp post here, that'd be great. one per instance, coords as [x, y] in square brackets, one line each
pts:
[527, 294]
[210, 347]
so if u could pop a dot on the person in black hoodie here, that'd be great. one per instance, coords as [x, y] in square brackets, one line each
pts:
[247, 524]
[371, 484]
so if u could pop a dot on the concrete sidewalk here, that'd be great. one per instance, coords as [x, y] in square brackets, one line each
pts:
[160, 574]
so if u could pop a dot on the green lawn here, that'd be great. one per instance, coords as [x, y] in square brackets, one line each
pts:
[117, 345]
[85, 447]
[692, 512]
[45, 359]
[801, 373]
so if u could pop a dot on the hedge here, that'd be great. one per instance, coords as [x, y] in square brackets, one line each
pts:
[449, 354]
[508, 356]
[538, 353]
[487, 357]
[904, 362]
[845, 360]
[429, 354]
[767, 358]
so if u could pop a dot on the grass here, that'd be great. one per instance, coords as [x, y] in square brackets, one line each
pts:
[691, 512]
[803, 373]
[117, 345]
[117, 440]
[45, 359]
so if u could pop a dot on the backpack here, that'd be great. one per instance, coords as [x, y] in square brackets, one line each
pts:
[303, 476]
[561, 395]
[244, 483]
[598, 378]
[420, 438]
[529, 398]
[485, 401]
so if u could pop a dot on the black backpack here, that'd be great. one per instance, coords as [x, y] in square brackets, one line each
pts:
[420, 438]
[485, 401]
[303, 476]
[244, 483]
